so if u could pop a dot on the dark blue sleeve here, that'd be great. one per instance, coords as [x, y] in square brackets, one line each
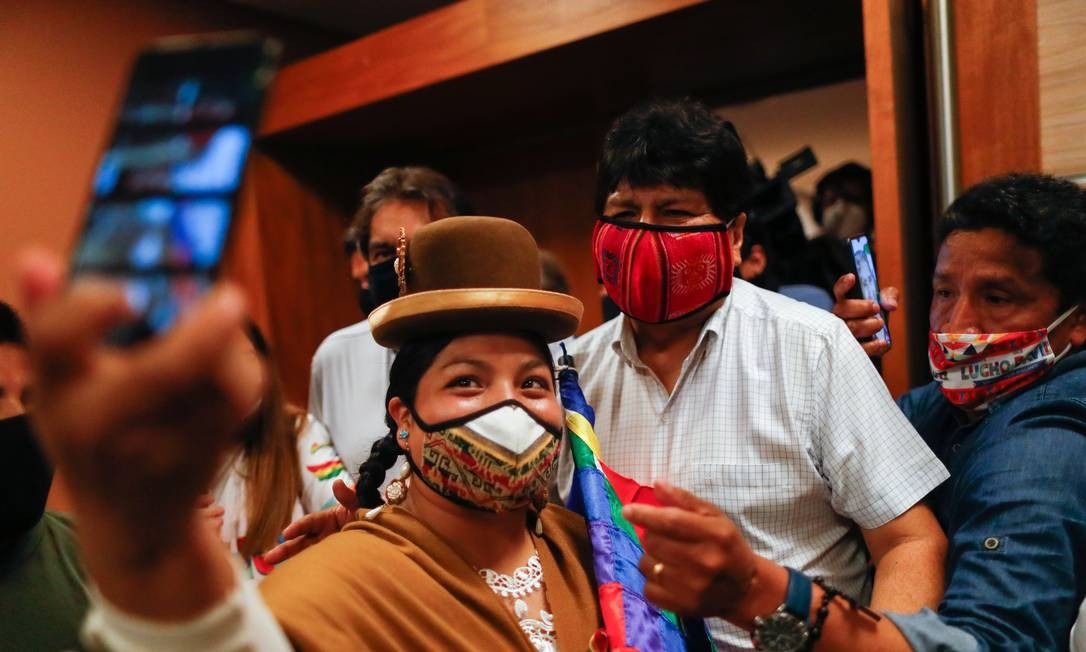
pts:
[930, 414]
[1018, 530]
[909, 402]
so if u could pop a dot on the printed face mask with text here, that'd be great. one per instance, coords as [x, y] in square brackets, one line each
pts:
[975, 369]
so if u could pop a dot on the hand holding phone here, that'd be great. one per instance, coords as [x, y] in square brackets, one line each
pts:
[867, 282]
[165, 190]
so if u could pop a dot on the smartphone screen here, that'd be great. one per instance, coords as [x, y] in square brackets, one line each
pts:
[165, 190]
[866, 277]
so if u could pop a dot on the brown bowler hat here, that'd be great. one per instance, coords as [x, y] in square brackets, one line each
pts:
[464, 274]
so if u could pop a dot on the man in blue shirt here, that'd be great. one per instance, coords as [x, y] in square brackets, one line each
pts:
[1008, 417]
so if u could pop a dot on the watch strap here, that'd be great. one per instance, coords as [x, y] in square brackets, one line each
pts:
[797, 598]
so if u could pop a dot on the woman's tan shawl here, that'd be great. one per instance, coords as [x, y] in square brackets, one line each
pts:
[393, 584]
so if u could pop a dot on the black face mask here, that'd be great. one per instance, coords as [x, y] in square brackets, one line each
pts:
[365, 301]
[25, 477]
[610, 308]
[384, 283]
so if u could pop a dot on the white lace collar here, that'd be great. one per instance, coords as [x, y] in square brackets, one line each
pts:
[524, 581]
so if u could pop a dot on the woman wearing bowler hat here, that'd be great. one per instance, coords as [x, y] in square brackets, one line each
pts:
[462, 551]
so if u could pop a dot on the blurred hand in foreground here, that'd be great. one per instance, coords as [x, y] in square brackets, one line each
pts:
[138, 431]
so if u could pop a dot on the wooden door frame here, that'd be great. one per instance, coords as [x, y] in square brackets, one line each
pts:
[897, 121]
[995, 104]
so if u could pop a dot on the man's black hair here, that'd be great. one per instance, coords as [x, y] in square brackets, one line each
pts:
[756, 233]
[676, 143]
[11, 327]
[1039, 211]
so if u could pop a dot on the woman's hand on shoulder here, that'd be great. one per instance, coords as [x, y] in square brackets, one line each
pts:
[314, 528]
[211, 513]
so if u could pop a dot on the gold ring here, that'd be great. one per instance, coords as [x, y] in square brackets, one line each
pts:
[657, 568]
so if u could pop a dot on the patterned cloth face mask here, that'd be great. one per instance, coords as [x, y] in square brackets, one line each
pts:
[975, 369]
[657, 274]
[499, 459]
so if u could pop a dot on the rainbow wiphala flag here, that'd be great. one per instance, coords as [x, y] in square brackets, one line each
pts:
[631, 623]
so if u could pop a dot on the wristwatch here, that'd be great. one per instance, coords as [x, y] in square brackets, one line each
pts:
[786, 629]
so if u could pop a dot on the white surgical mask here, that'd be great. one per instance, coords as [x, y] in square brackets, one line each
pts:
[844, 219]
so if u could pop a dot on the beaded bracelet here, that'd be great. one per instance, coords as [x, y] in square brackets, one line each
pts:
[828, 594]
[823, 612]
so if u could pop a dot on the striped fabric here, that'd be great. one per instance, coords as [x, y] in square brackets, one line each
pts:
[631, 623]
[326, 469]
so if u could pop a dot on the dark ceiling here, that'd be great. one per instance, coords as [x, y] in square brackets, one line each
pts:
[352, 18]
[722, 52]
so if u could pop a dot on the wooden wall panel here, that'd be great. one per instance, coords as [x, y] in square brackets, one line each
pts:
[450, 42]
[895, 120]
[1061, 51]
[998, 97]
[547, 187]
[693, 51]
[307, 284]
[242, 262]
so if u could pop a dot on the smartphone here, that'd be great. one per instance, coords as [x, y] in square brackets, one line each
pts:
[165, 190]
[867, 286]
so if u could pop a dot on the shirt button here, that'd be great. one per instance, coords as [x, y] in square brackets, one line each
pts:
[991, 543]
[955, 448]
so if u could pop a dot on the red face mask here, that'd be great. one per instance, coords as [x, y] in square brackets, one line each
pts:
[657, 274]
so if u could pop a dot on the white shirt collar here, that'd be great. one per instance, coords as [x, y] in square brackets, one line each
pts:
[623, 343]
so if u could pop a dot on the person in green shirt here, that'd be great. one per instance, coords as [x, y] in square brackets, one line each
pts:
[43, 594]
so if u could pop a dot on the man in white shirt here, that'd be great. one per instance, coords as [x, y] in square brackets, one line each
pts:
[763, 406]
[349, 373]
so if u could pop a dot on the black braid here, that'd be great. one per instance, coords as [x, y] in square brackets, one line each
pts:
[372, 472]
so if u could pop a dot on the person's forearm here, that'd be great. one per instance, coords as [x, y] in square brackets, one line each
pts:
[845, 628]
[172, 580]
[910, 576]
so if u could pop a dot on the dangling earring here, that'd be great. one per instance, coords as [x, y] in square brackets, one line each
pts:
[541, 498]
[539, 501]
[396, 491]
